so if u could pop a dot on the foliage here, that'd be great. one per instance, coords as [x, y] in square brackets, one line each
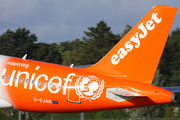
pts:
[97, 42]
[17, 43]
[170, 61]
[71, 52]
[126, 30]
[21, 42]
[47, 53]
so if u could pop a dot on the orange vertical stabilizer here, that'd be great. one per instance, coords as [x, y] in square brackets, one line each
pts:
[137, 55]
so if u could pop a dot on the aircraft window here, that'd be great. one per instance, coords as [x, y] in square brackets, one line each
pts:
[33, 81]
[27, 80]
[39, 82]
[45, 83]
[15, 78]
[3, 76]
[21, 79]
[9, 77]
[51, 85]
[57, 85]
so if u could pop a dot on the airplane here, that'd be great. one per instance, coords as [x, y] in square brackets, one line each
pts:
[122, 79]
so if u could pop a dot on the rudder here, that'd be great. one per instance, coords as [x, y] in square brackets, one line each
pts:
[137, 55]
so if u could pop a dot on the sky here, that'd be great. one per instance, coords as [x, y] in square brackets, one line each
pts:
[55, 21]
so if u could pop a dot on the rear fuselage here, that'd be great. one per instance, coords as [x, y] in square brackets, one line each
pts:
[43, 87]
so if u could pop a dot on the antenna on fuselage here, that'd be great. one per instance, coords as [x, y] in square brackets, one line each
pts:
[71, 66]
[24, 57]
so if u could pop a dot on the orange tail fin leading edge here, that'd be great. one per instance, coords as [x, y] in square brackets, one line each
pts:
[137, 55]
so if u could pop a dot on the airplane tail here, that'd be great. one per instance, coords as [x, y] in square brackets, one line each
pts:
[137, 55]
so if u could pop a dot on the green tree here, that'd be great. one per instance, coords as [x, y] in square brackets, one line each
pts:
[71, 52]
[170, 60]
[40, 51]
[158, 79]
[126, 30]
[98, 41]
[47, 53]
[17, 43]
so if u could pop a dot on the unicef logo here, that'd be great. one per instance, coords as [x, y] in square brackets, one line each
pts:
[89, 87]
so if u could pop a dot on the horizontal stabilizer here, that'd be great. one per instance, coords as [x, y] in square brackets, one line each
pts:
[119, 95]
[83, 66]
[173, 89]
[126, 94]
